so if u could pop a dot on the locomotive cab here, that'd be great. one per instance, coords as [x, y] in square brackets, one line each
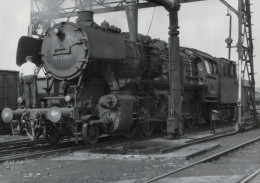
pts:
[228, 81]
[205, 74]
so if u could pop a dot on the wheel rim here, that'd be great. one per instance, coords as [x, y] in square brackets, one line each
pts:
[163, 127]
[189, 123]
[51, 135]
[130, 133]
[90, 133]
[148, 128]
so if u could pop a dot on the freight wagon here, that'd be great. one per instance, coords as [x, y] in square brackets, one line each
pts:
[8, 95]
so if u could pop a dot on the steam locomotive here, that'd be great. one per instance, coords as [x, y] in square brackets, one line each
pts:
[101, 82]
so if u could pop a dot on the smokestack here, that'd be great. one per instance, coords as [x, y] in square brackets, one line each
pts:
[132, 19]
[85, 17]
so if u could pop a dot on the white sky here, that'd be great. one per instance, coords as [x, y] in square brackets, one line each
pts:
[203, 25]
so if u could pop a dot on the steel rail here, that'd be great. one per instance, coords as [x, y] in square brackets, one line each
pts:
[14, 147]
[249, 177]
[213, 157]
[14, 142]
[166, 150]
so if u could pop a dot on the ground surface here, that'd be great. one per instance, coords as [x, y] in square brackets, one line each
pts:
[84, 166]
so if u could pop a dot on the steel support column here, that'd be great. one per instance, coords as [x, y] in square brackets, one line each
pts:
[240, 44]
[132, 19]
[174, 120]
[245, 63]
[30, 27]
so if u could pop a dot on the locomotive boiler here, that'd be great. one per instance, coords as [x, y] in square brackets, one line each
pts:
[100, 81]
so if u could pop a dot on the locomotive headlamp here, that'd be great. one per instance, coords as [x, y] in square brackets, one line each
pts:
[7, 115]
[57, 31]
[69, 98]
[54, 114]
[20, 100]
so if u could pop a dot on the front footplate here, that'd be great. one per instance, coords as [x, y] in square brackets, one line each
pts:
[35, 121]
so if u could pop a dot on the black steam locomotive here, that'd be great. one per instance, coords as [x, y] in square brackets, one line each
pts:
[99, 81]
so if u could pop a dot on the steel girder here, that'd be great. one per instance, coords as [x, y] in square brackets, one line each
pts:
[55, 9]
[246, 59]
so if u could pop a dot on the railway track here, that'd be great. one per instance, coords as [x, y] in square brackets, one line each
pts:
[216, 156]
[25, 150]
[14, 142]
[12, 146]
[22, 150]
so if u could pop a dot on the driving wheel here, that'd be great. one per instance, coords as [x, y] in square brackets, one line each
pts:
[148, 128]
[130, 133]
[90, 133]
[51, 134]
[163, 127]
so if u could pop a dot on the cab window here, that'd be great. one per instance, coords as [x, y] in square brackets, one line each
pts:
[200, 66]
[215, 70]
[207, 67]
[232, 70]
